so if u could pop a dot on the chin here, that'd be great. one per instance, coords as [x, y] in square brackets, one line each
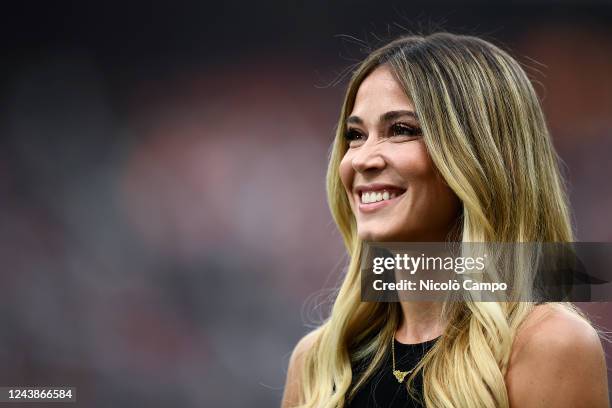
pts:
[377, 236]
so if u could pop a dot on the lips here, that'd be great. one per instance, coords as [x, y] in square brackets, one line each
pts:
[372, 197]
[375, 187]
[372, 193]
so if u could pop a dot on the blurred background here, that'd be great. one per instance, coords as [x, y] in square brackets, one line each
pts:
[164, 233]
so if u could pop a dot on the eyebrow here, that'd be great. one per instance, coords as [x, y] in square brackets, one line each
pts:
[385, 117]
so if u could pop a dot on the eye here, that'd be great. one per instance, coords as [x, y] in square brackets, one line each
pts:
[353, 137]
[403, 129]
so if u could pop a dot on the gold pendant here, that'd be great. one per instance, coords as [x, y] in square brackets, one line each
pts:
[400, 375]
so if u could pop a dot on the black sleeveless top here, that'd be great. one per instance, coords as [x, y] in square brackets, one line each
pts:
[382, 390]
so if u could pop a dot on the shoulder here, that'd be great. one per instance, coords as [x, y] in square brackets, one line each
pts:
[557, 360]
[292, 393]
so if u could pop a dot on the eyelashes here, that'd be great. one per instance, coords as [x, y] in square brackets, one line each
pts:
[397, 129]
[404, 129]
[352, 134]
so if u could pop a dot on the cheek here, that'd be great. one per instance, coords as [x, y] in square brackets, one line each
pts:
[431, 195]
[414, 164]
[346, 173]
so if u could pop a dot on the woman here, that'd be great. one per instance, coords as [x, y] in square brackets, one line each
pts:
[441, 138]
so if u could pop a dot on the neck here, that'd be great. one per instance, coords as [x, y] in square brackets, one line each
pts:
[420, 322]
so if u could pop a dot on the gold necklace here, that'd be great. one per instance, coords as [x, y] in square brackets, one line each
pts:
[400, 375]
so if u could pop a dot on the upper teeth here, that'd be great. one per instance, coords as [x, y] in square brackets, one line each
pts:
[374, 196]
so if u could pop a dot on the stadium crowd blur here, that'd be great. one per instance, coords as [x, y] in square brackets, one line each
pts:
[164, 233]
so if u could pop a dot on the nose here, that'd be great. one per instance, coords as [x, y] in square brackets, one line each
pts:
[368, 158]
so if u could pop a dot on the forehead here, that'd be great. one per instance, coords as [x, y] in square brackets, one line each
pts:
[378, 93]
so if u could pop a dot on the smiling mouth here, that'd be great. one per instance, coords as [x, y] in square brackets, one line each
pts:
[373, 197]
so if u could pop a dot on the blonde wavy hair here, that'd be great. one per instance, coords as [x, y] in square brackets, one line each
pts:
[485, 131]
